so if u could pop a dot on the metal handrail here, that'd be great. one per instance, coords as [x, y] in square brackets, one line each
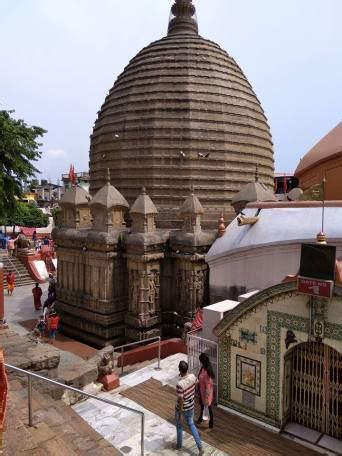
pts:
[137, 343]
[13, 266]
[31, 375]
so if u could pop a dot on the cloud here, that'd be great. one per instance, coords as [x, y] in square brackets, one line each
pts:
[56, 153]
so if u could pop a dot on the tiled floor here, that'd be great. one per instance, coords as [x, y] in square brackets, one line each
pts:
[123, 428]
[314, 437]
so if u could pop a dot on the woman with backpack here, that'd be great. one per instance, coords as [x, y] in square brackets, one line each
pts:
[206, 388]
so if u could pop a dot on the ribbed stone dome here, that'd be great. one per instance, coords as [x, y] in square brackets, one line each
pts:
[182, 114]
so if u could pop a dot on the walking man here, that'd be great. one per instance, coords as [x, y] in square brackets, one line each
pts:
[10, 279]
[185, 406]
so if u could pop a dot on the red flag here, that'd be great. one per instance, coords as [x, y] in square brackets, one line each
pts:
[197, 321]
[73, 175]
[70, 175]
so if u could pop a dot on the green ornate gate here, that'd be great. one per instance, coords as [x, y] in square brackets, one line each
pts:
[313, 388]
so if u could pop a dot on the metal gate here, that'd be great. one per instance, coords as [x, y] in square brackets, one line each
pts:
[196, 345]
[315, 400]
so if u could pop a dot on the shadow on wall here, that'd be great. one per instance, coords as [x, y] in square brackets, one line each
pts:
[218, 294]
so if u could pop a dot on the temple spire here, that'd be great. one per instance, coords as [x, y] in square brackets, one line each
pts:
[183, 18]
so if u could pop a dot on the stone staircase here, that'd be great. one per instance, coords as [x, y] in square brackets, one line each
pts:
[13, 264]
[57, 430]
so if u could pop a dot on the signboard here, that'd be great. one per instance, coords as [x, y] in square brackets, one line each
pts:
[315, 287]
[318, 261]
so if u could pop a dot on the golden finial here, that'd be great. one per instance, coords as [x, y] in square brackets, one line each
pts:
[321, 238]
[221, 226]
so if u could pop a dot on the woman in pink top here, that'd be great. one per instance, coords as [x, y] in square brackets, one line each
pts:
[206, 387]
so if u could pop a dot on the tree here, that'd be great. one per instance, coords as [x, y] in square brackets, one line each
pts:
[27, 215]
[19, 147]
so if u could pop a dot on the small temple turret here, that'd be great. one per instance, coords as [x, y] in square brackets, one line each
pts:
[108, 208]
[191, 212]
[143, 214]
[75, 208]
[252, 192]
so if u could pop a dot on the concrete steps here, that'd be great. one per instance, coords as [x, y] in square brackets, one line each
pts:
[13, 264]
[57, 430]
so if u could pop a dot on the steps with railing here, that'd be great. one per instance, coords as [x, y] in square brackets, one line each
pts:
[13, 264]
[44, 417]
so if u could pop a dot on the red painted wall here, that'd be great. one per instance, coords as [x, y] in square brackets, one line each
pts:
[137, 355]
[2, 310]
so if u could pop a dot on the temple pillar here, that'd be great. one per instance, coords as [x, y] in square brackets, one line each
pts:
[143, 317]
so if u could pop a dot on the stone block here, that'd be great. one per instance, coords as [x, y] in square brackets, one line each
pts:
[109, 382]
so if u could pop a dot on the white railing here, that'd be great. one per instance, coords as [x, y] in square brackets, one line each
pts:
[197, 345]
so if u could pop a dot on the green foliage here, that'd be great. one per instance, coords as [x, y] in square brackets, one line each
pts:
[19, 147]
[27, 215]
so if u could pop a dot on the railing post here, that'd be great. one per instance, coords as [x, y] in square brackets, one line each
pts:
[122, 361]
[142, 433]
[29, 396]
[159, 353]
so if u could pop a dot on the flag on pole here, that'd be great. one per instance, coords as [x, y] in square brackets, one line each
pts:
[72, 175]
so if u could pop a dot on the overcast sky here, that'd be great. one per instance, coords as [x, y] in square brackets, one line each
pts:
[59, 58]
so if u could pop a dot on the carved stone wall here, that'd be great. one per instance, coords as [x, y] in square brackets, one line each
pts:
[143, 318]
[119, 286]
[91, 290]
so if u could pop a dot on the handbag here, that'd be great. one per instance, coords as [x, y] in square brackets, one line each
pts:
[205, 413]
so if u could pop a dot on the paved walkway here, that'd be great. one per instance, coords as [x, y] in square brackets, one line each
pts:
[122, 428]
[22, 318]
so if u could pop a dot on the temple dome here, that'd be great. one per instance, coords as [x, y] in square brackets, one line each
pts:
[323, 161]
[181, 114]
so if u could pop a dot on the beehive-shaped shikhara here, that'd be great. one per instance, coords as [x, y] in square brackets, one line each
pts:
[181, 115]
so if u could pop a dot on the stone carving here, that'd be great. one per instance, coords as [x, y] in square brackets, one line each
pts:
[134, 292]
[22, 242]
[105, 365]
[153, 292]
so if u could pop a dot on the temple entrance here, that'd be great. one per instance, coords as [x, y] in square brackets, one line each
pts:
[313, 388]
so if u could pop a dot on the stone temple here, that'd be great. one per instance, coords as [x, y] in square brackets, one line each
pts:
[178, 135]
[181, 114]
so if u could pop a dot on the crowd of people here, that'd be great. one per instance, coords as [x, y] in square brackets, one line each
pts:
[47, 324]
[9, 243]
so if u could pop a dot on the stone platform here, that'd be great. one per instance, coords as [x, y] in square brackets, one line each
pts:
[26, 352]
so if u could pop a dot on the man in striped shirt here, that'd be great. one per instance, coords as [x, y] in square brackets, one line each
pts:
[185, 406]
